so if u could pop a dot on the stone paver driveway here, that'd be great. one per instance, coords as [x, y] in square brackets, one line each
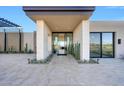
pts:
[62, 70]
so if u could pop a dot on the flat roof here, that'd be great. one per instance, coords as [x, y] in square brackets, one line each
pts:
[58, 8]
[107, 23]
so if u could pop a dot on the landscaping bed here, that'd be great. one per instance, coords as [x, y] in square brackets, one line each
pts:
[35, 61]
[91, 61]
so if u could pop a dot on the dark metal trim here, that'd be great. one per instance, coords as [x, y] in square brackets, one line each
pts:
[113, 44]
[20, 44]
[100, 44]
[6, 23]
[58, 8]
[5, 40]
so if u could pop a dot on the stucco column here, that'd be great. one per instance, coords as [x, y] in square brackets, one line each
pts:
[85, 43]
[40, 52]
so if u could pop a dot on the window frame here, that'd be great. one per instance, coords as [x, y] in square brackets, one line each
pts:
[101, 42]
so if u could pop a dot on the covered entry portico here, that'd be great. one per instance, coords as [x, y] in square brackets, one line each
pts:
[60, 19]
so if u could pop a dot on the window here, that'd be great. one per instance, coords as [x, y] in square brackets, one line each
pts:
[101, 44]
[95, 45]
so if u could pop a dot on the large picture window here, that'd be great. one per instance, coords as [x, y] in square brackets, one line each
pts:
[101, 44]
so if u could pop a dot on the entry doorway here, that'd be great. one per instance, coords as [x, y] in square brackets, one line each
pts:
[60, 41]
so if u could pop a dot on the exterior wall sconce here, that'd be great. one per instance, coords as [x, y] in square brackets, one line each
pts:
[119, 41]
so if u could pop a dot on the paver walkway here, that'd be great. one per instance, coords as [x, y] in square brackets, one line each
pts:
[62, 70]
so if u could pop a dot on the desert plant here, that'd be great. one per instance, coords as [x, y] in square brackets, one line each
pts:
[26, 48]
[74, 50]
[12, 49]
[46, 61]
[75, 54]
[91, 61]
[8, 50]
[0, 48]
[78, 51]
[30, 51]
[69, 48]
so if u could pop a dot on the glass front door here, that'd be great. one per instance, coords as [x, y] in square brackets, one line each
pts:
[60, 42]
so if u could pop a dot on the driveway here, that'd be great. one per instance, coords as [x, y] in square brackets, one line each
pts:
[62, 70]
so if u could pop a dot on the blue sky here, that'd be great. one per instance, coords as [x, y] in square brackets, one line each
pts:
[108, 13]
[16, 15]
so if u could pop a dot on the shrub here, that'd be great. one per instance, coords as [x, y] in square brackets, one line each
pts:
[46, 61]
[91, 61]
[30, 51]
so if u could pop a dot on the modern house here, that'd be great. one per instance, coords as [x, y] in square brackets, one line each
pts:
[58, 26]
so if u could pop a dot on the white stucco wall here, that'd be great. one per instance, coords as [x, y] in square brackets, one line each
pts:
[76, 34]
[81, 35]
[119, 47]
[43, 38]
[111, 26]
[48, 40]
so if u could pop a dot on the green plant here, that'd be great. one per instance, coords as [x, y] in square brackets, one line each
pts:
[46, 61]
[30, 51]
[71, 48]
[26, 48]
[22, 51]
[12, 49]
[9, 50]
[78, 51]
[74, 49]
[1, 51]
[91, 61]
